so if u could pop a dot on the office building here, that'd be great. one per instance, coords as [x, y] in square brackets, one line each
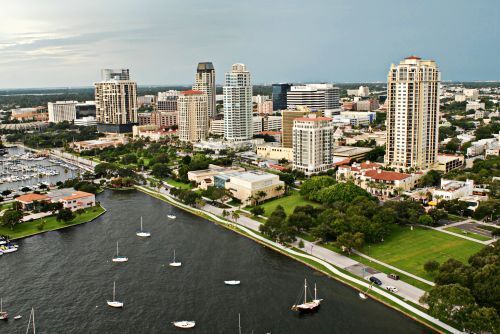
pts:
[84, 109]
[318, 97]
[475, 105]
[115, 74]
[193, 115]
[287, 117]
[116, 101]
[471, 94]
[238, 104]
[167, 101]
[61, 111]
[313, 144]
[279, 96]
[205, 82]
[265, 107]
[412, 114]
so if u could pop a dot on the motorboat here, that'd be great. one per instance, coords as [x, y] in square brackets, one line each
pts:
[184, 324]
[232, 282]
[17, 317]
[171, 216]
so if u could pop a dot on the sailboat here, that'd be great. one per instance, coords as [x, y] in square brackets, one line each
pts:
[32, 316]
[239, 323]
[175, 263]
[184, 324]
[3, 315]
[306, 306]
[119, 258]
[362, 294]
[143, 233]
[232, 282]
[171, 216]
[114, 302]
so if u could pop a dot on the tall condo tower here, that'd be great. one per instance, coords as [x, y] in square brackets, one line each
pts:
[205, 82]
[238, 104]
[193, 115]
[412, 114]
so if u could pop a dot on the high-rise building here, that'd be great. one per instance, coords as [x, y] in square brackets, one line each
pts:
[279, 96]
[412, 114]
[205, 82]
[167, 101]
[115, 73]
[313, 144]
[193, 115]
[238, 104]
[318, 97]
[287, 117]
[61, 111]
[116, 100]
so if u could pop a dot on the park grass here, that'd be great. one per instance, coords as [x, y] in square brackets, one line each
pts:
[5, 206]
[409, 249]
[467, 233]
[178, 184]
[288, 202]
[31, 228]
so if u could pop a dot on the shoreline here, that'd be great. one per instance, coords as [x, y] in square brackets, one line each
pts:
[393, 302]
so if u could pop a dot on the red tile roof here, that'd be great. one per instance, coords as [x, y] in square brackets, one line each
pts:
[28, 198]
[78, 194]
[384, 175]
[413, 57]
[191, 92]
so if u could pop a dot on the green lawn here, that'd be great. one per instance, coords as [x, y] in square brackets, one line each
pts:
[288, 203]
[467, 233]
[30, 228]
[409, 250]
[178, 184]
[4, 206]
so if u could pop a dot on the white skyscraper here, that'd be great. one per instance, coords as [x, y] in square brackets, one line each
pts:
[61, 111]
[205, 82]
[412, 114]
[238, 104]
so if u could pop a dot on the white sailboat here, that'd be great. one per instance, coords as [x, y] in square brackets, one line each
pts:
[175, 263]
[362, 294]
[232, 282]
[32, 316]
[184, 324]
[239, 323]
[171, 216]
[119, 258]
[143, 233]
[114, 302]
[3, 315]
[308, 306]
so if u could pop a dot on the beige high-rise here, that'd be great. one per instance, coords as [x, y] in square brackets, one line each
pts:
[205, 82]
[116, 102]
[412, 114]
[287, 117]
[193, 115]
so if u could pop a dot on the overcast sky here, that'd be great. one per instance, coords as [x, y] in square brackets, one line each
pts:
[55, 43]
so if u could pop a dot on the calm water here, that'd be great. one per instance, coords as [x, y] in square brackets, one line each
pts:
[68, 275]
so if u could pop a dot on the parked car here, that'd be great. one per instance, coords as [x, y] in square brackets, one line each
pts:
[391, 288]
[393, 276]
[375, 280]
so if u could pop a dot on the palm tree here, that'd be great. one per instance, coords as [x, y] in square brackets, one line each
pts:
[279, 188]
[200, 203]
[235, 215]
[225, 213]
[261, 194]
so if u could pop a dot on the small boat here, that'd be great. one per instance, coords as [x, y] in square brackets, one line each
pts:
[17, 317]
[119, 258]
[175, 263]
[3, 315]
[184, 324]
[114, 302]
[306, 306]
[143, 233]
[171, 216]
[363, 295]
[232, 282]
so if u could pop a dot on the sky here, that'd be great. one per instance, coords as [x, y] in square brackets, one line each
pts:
[65, 43]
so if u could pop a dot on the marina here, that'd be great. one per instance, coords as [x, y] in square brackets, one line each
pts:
[156, 298]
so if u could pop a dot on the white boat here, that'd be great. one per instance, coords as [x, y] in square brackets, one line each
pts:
[3, 315]
[232, 282]
[119, 258]
[362, 295]
[114, 302]
[184, 324]
[143, 233]
[306, 306]
[171, 216]
[17, 317]
[8, 249]
[175, 263]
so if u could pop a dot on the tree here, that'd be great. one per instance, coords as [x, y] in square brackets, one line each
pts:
[453, 145]
[301, 243]
[311, 187]
[347, 241]
[130, 158]
[300, 220]
[257, 211]
[489, 210]
[235, 216]
[25, 189]
[200, 203]
[65, 215]
[425, 220]
[6, 192]
[160, 170]
[225, 213]
[431, 179]
[431, 266]
[11, 218]
[345, 192]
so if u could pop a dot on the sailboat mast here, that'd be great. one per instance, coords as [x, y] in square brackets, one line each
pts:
[117, 248]
[34, 328]
[141, 223]
[239, 323]
[1, 305]
[114, 287]
[174, 255]
[29, 321]
[305, 291]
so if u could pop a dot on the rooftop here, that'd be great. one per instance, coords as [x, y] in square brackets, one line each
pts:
[76, 195]
[253, 176]
[28, 198]
[384, 175]
[191, 92]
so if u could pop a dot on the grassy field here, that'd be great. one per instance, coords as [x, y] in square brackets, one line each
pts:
[288, 203]
[179, 184]
[467, 233]
[409, 250]
[31, 228]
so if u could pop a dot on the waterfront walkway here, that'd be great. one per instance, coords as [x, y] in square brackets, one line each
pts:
[240, 223]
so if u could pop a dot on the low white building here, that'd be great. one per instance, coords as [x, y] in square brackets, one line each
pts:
[452, 189]
[78, 200]
[474, 105]
[61, 111]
